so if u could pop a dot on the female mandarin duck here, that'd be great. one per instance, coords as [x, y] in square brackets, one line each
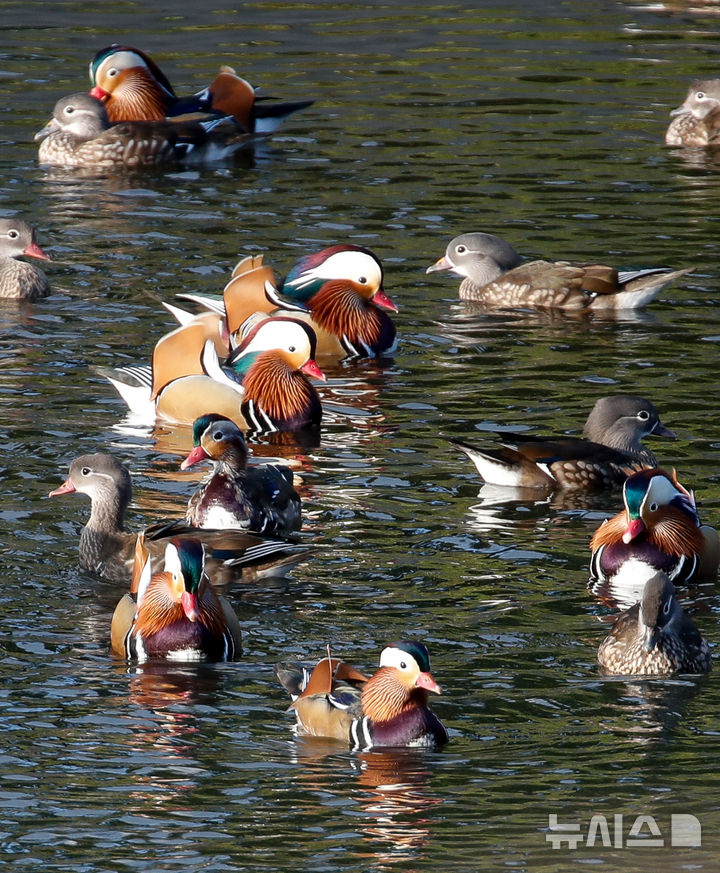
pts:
[659, 529]
[261, 499]
[388, 709]
[655, 637]
[494, 274]
[18, 280]
[341, 287]
[262, 387]
[697, 121]
[133, 88]
[80, 135]
[108, 550]
[175, 614]
[611, 451]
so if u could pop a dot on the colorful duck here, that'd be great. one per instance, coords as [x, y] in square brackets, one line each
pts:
[80, 135]
[611, 450]
[388, 709]
[19, 280]
[658, 530]
[108, 550]
[262, 386]
[655, 637]
[341, 287]
[261, 499]
[133, 88]
[494, 274]
[175, 614]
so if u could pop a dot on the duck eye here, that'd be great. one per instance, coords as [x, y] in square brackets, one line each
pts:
[112, 72]
[363, 280]
[653, 507]
[85, 471]
[699, 95]
[403, 665]
[461, 249]
[643, 415]
[13, 234]
[291, 348]
[69, 110]
[217, 435]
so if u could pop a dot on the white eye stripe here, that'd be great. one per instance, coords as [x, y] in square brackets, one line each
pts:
[277, 334]
[393, 657]
[355, 266]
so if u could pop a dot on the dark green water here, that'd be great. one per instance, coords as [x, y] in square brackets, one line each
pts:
[541, 122]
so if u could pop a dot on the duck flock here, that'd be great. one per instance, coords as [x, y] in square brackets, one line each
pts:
[242, 364]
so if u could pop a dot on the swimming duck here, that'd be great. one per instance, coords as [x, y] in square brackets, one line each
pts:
[18, 280]
[655, 637]
[494, 274]
[80, 135]
[261, 499]
[658, 530]
[263, 386]
[108, 550]
[175, 614]
[609, 453]
[133, 88]
[341, 287]
[388, 709]
[697, 121]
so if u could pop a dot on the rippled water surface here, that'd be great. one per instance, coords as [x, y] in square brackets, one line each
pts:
[540, 122]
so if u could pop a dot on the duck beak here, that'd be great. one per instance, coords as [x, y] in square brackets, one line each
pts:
[382, 301]
[426, 681]
[441, 264]
[34, 251]
[51, 127]
[661, 430]
[679, 111]
[650, 638]
[67, 487]
[196, 455]
[190, 606]
[98, 92]
[310, 368]
[634, 529]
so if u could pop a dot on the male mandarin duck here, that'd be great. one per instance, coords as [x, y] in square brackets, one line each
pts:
[80, 135]
[263, 386]
[175, 614]
[697, 121]
[658, 530]
[341, 287]
[108, 550]
[18, 280]
[494, 274]
[261, 499]
[609, 453]
[655, 637]
[251, 290]
[388, 709]
[133, 88]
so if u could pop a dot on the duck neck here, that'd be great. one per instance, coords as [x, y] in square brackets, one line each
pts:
[384, 698]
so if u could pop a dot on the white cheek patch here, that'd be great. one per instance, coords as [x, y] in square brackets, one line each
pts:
[661, 491]
[278, 334]
[392, 657]
[343, 265]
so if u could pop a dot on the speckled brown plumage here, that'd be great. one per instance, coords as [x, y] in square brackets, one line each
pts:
[495, 275]
[18, 279]
[655, 637]
[697, 122]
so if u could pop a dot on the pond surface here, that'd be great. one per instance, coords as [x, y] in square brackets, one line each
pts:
[540, 122]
